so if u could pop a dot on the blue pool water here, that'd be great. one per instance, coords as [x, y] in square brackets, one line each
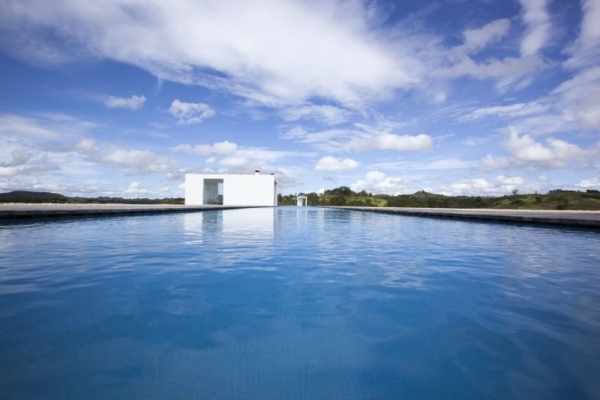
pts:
[297, 303]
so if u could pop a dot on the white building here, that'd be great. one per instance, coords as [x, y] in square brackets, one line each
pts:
[230, 189]
[301, 201]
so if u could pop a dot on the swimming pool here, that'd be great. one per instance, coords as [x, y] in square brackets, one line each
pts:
[297, 303]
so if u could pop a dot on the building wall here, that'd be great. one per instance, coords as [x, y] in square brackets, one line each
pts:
[238, 190]
[194, 189]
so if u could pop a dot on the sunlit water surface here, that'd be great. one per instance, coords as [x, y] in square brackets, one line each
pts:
[297, 303]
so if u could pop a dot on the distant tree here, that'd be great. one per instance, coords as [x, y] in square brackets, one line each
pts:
[343, 190]
[312, 199]
[515, 192]
[338, 200]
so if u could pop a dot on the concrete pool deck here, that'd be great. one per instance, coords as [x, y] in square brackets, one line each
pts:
[584, 219]
[48, 210]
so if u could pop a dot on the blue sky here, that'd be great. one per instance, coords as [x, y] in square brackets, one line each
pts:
[475, 97]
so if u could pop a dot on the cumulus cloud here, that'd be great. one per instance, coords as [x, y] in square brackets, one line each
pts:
[524, 150]
[230, 156]
[31, 159]
[224, 147]
[252, 158]
[137, 189]
[589, 183]
[138, 161]
[377, 182]
[134, 102]
[361, 138]
[556, 153]
[535, 15]
[493, 163]
[132, 161]
[190, 113]
[501, 185]
[329, 163]
[510, 181]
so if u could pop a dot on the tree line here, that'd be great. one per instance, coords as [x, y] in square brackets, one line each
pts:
[557, 199]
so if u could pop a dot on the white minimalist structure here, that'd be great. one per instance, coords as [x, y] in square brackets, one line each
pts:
[301, 201]
[231, 189]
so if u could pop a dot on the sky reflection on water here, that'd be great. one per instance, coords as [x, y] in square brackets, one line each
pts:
[297, 303]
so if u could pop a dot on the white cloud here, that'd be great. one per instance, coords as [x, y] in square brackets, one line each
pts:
[501, 185]
[510, 181]
[589, 183]
[556, 154]
[134, 102]
[136, 189]
[224, 147]
[43, 127]
[377, 182]
[580, 97]
[17, 157]
[507, 71]
[252, 158]
[440, 164]
[85, 145]
[326, 49]
[476, 186]
[275, 53]
[390, 141]
[133, 161]
[329, 163]
[30, 159]
[137, 161]
[512, 111]
[588, 114]
[492, 163]
[585, 52]
[477, 39]
[525, 151]
[19, 160]
[535, 16]
[325, 114]
[190, 113]
[361, 138]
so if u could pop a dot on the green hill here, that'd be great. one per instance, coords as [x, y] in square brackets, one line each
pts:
[22, 196]
[553, 200]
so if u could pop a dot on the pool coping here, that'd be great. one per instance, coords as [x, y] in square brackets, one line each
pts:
[584, 219]
[19, 211]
